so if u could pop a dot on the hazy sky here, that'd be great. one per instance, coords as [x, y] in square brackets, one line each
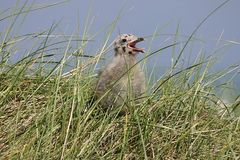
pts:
[143, 18]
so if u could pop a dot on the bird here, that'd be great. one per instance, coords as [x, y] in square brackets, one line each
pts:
[122, 80]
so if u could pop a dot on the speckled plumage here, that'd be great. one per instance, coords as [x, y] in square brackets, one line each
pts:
[118, 81]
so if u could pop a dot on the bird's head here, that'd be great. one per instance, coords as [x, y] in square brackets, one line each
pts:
[126, 44]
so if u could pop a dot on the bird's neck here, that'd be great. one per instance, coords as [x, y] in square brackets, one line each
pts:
[127, 59]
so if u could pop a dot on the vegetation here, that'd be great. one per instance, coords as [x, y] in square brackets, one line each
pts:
[48, 110]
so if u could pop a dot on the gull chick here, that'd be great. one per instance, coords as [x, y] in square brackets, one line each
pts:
[122, 80]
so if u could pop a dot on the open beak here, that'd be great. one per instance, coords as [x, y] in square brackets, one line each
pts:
[132, 45]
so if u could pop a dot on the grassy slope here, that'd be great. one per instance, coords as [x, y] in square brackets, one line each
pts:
[50, 117]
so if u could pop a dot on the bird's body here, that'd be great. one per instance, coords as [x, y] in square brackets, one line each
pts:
[122, 79]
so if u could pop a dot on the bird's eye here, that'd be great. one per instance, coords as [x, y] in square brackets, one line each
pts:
[124, 40]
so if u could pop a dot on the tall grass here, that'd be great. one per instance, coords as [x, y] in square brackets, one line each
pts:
[48, 111]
